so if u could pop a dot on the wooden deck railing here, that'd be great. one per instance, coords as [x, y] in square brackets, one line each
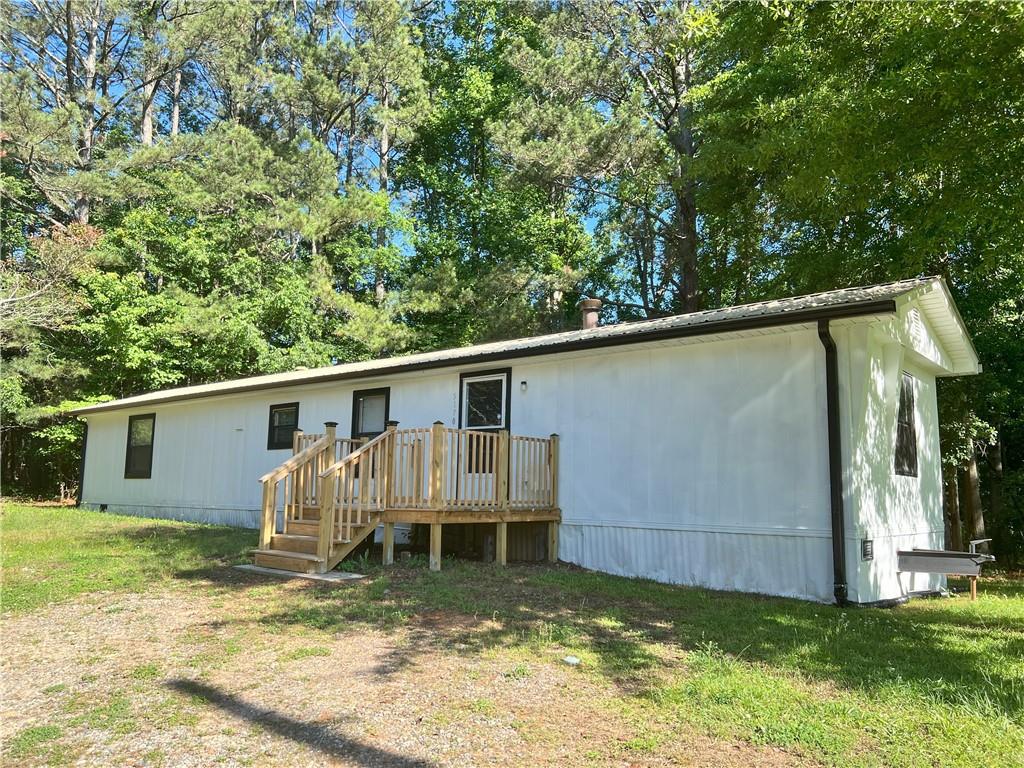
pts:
[428, 468]
[444, 468]
[293, 487]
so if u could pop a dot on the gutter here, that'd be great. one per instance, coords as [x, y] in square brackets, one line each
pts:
[81, 465]
[835, 463]
[798, 317]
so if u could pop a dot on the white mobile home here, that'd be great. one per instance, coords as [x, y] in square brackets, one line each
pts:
[788, 447]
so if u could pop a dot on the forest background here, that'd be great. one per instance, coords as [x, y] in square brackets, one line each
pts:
[196, 190]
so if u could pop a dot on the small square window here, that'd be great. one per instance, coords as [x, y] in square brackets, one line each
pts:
[138, 460]
[370, 409]
[906, 430]
[284, 421]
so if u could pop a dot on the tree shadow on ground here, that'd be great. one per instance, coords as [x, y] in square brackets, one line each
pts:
[636, 629]
[318, 737]
[942, 649]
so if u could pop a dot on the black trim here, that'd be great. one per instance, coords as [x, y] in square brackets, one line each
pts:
[356, 394]
[858, 309]
[271, 432]
[894, 602]
[488, 461]
[128, 448]
[81, 466]
[508, 395]
[890, 602]
[835, 462]
[905, 453]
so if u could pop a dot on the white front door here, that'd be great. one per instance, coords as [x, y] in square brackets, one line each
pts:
[484, 408]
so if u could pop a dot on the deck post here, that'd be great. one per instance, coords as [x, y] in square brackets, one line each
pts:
[553, 461]
[501, 544]
[296, 440]
[325, 497]
[388, 496]
[436, 472]
[267, 522]
[553, 541]
[435, 546]
[330, 432]
[389, 543]
[325, 529]
[501, 470]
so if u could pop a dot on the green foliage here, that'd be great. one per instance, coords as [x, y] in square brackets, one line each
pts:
[30, 742]
[494, 257]
[328, 183]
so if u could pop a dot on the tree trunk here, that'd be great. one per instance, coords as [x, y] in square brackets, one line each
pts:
[684, 248]
[69, 50]
[150, 74]
[85, 142]
[350, 150]
[176, 102]
[954, 538]
[688, 297]
[148, 99]
[994, 454]
[970, 499]
[382, 183]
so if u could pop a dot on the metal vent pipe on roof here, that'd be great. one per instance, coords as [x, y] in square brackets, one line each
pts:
[591, 311]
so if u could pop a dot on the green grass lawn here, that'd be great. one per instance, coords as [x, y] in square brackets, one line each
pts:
[53, 553]
[937, 682]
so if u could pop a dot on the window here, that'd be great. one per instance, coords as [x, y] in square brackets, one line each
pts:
[284, 421]
[906, 430]
[484, 407]
[370, 411]
[485, 400]
[138, 460]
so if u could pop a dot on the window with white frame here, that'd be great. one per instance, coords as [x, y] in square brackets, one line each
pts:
[485, 401]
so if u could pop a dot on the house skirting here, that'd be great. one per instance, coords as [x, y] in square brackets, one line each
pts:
[237, 518]
[796, 565]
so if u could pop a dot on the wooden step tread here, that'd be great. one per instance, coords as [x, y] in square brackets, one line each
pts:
[286, 553]
[295, 542]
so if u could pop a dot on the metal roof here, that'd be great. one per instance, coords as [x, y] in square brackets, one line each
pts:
[845, 302]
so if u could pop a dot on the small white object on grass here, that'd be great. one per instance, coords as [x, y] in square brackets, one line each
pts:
[572, 661]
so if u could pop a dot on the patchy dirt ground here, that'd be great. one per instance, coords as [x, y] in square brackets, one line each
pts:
[200, 674]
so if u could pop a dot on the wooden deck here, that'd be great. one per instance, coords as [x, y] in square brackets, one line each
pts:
[333, 493]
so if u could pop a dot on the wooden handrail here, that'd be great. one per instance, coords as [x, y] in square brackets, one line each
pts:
[369, 465]
[299, 477]
[355, 454]
[297, 460]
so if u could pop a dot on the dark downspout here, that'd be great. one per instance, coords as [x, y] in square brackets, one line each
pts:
[835, 462]
[81, 466]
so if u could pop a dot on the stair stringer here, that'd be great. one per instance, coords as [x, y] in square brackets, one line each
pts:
[343, 550]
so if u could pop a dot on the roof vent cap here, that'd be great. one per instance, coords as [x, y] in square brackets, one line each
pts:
[591, 311]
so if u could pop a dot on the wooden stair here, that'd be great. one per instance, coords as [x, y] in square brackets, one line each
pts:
[295, 549]
[283, 560]
[304, 528]
[343, 549]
